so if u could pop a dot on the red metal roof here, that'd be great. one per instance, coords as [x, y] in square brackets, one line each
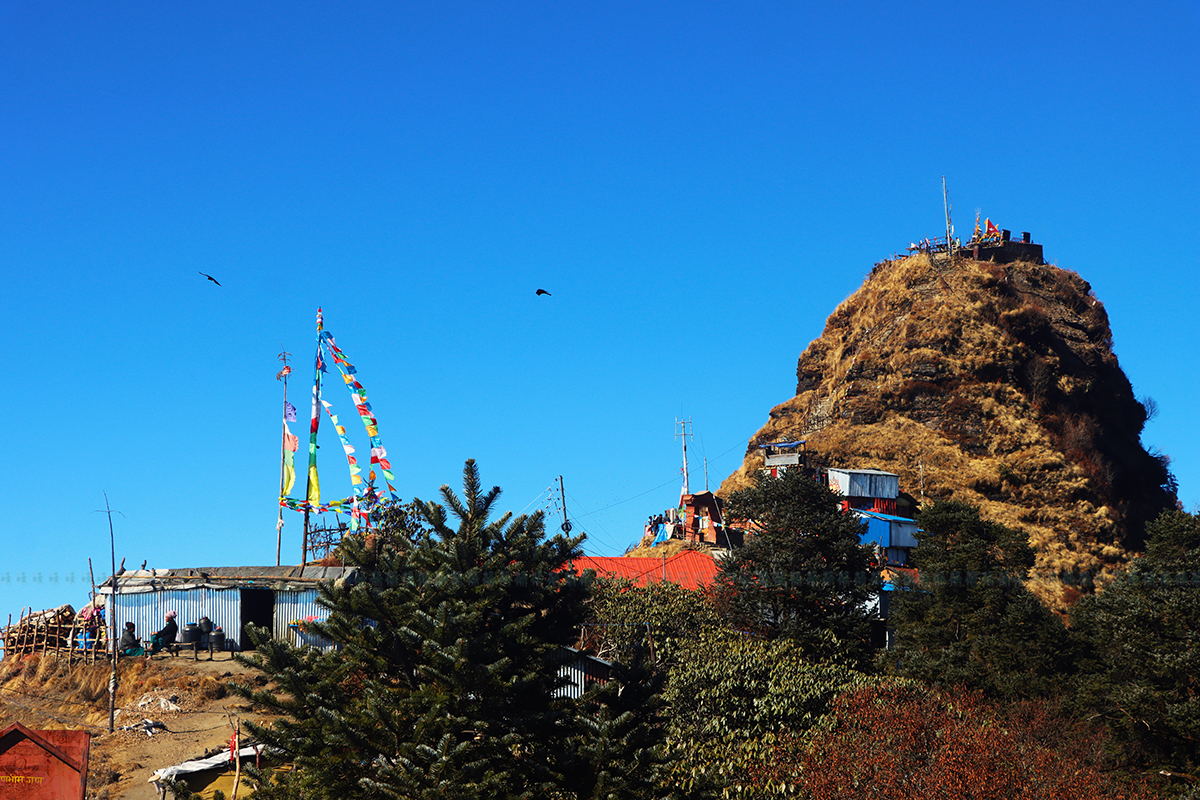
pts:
[690, 569]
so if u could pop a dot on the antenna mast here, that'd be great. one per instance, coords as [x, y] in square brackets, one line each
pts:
[682, 423]
[949, 227]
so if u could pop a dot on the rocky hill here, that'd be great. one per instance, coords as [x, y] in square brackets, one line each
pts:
[995, 384]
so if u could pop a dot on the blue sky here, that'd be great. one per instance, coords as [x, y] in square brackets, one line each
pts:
[698, 185]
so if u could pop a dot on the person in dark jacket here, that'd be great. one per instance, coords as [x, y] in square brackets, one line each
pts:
[130, 644]
[166, 636]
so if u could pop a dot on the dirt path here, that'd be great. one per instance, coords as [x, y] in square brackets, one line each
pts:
[200, 726]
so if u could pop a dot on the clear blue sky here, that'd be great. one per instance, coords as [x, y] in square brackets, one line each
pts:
[697, 184]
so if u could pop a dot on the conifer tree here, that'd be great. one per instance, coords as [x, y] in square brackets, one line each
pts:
[443, 683]
[969, 620]
[1142, 635]
[804, 575]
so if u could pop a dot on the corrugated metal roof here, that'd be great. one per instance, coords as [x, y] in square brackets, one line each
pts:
[223, 577]
[878, 515]
[690, 569]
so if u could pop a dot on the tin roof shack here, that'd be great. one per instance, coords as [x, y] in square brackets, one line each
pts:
[894, 537]
[869, 489]
[782, 456]
[874, 497]
[43, 765]
[231, 597]
[702, 520]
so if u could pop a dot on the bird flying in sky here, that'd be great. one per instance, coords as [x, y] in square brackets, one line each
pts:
[543, 291]
[211, 278]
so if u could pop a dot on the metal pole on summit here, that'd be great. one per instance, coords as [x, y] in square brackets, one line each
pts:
[949, 227]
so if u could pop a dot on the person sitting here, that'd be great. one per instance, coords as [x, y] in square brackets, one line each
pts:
[130, 644]
[165, 637]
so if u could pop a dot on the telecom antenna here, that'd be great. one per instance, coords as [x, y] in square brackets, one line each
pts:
[683, 426]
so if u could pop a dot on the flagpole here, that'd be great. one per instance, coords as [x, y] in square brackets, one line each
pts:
[283, 356]
[312, 444]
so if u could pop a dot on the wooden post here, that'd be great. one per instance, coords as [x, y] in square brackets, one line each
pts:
[237, 759]
[283, 356]
[235, 745]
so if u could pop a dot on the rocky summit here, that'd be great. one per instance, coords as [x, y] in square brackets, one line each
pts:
[993, 384]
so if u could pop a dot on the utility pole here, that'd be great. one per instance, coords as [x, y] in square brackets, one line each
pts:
[562, 493]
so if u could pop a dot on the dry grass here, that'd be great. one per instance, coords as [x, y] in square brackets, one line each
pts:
[991, 384]
[666, 549]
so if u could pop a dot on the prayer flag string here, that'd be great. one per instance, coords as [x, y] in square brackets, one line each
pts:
[365, 497]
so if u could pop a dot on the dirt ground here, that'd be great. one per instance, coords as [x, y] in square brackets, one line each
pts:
[202, 725]
[190, 698]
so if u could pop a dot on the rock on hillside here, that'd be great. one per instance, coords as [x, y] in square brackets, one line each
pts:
[994, 384]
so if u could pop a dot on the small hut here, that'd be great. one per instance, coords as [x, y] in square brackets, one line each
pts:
[280, 598]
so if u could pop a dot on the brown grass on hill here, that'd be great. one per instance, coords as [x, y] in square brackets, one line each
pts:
[667, 549]
[991, 384]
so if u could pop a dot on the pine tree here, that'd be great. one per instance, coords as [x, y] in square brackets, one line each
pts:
[444, 680]
[969, 620]
[1143, 647]
[805, 575]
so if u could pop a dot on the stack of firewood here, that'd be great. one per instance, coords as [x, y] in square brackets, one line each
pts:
[37, 632]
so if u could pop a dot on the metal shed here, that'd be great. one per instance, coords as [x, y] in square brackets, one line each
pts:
[896, 535]
[864, 483]
[232, 597]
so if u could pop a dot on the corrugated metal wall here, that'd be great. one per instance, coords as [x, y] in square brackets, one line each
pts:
[853, 483]
[904, 534]
[296, 605]
[582, 672]
[147, 610]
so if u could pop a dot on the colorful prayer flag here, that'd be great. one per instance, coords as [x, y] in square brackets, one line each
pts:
[291, 443]
[289, 471]
[314, 486]
[289, 411]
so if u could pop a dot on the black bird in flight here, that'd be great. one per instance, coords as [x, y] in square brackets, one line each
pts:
[543, 291]
[211, 278]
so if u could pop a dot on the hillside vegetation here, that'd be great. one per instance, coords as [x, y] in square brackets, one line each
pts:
[991, 384]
